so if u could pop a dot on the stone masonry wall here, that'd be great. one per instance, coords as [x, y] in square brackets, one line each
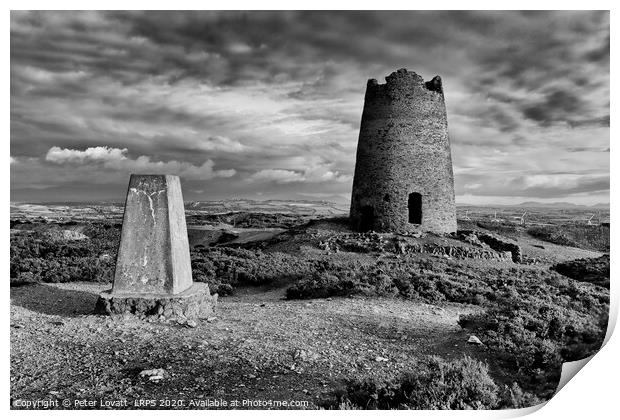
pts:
[403, 148]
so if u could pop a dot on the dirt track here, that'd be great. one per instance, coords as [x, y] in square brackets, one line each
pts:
[259, 346]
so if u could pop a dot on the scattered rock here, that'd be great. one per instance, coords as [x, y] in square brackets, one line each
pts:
[474, 340]
[71, 235]
[105, 258]
[154, 375]
[304, 355]
[471, 238]
[500, 244]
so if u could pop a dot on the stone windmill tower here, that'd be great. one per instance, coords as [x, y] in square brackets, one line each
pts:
[403, 172]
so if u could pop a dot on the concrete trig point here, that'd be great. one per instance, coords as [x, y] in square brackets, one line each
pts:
[153, 269]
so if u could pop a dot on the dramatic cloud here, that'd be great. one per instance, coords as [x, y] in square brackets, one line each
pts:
[278, 175]
[312, 174]
[92, 154]
[268, 104]
[115, 159]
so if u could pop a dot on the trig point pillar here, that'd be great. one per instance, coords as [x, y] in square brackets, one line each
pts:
[153, 269]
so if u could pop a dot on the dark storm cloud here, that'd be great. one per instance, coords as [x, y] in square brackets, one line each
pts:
[554, 107]
[276, 97]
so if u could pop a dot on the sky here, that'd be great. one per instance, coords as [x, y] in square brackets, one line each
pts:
[267, 105]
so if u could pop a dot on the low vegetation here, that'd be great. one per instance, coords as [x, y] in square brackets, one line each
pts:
[592, 237]
[44, 254]
[534, 319]
[531, 318]
[435, 384]
[591, 270]
[534, 334]
[225, 268]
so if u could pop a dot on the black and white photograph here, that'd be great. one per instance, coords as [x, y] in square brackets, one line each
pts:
[306, 210]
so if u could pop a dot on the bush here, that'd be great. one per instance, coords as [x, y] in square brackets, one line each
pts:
[535, 335]
[425, 280]
[225, 268]
[435, 384]
[321, 285]
[43, 255]
[514, 397]
[591, 270]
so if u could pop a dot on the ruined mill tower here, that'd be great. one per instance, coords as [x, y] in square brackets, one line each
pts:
[403, 172]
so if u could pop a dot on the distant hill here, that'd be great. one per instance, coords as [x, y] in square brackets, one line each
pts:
[334, 201]
[561, 205]
[600, 206]
[554, 205]
[537, 204]
[267, 206]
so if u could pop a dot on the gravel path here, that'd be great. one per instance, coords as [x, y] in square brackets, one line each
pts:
[258, 346]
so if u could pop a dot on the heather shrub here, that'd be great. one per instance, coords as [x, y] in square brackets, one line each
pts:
[435, 384]
[591, 270]
[593, 237]
[534, 335]
[45, 256]
[320, 285]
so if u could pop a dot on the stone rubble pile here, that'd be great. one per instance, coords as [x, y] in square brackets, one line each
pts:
[498, 244]
[389, 243]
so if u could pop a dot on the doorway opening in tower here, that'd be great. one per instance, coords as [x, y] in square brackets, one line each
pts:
[367, 221]
[415, 208]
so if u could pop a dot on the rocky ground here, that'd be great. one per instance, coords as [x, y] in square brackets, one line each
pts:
[258, 346]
